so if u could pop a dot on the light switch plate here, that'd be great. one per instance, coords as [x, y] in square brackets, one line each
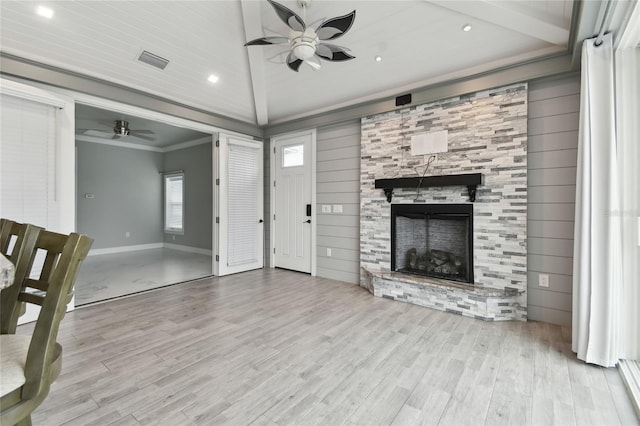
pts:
[337, 208]
[328, 252]
[326, 208]
[543, 280]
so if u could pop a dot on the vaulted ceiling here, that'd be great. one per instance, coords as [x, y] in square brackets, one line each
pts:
[420, 43]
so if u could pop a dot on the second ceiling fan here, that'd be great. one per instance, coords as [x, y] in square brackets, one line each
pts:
[307, 43]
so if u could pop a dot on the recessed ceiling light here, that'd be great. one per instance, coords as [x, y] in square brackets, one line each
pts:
[466, 28]
[378, 58]
[44, 11]
[213, 78]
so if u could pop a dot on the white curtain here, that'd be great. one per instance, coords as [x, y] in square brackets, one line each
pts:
[627, 66]
[597, 272]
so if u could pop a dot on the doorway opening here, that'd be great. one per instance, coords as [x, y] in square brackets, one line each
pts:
[120, 203]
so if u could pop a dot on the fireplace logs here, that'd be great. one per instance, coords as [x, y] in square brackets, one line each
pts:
[434, 262]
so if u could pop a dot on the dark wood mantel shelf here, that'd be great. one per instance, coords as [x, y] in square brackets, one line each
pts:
[471, 181]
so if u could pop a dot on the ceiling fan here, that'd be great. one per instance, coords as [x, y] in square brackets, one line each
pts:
[306, 43]
[121, 129]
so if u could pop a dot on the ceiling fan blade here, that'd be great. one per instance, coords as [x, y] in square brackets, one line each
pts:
[335, 27]
[293, 62]
[143, 131]
[332, 52]
[267, 40]
[138, 135]
[288, 16]
[279, 58]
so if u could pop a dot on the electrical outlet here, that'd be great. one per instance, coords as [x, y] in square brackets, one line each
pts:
[328, 252]
[127, 234]
[337, 208]
[326, 208]
[543, 280]
[173, 237]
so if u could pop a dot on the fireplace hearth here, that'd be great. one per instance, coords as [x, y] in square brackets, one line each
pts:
[433, 240]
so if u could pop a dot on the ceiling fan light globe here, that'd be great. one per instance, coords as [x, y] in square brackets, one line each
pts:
[304, 51]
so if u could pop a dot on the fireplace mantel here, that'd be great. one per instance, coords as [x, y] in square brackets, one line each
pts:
[470, 180]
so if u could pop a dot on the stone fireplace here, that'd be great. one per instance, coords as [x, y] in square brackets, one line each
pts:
[485, 275]
[433, 240]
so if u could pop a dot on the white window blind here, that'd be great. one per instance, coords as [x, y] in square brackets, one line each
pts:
[28, 162]
[28, 165]
[243, 177]
[174, 203]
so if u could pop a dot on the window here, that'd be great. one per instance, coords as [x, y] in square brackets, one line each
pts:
[293, 156]
[174, 203]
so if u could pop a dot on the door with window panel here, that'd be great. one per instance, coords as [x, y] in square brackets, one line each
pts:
[293, 203]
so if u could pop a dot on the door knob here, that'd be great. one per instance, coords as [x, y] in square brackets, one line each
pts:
[307, 221]
[260, 221]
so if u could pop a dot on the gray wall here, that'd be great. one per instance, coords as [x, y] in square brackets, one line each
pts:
[552, 155]
[127, 195]
[552, 158]
[338, 182]
[197, 164]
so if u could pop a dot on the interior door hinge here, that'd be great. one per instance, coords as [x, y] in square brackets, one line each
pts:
[274, 217]
[274, 149]
[274, 183]
[217, 144]
[217, 258]
[217, 181]
[217, 220]
[274, 250]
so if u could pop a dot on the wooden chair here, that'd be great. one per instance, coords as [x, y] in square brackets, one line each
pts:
[17, 243]
[30, 364]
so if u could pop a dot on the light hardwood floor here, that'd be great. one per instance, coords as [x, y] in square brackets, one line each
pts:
[272, 347]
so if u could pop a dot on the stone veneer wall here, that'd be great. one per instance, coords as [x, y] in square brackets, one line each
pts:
[487, 133]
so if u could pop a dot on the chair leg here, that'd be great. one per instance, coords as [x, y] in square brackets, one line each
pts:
[24, 422]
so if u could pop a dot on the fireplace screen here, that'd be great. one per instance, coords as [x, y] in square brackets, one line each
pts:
[433, 240]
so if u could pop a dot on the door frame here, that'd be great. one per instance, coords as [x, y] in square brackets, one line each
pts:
[75, 97]
[272, 195]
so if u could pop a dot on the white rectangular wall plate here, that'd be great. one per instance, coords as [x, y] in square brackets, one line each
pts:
[430, 143]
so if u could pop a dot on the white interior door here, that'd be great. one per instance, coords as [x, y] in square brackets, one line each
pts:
[240, 214]
[293, 202]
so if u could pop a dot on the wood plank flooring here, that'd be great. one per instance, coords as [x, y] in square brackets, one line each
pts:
[272, 347]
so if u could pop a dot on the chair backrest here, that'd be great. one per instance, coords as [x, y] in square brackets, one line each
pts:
[17, 243]
[52, 291]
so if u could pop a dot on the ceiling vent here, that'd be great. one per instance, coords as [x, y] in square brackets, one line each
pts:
[153, 60]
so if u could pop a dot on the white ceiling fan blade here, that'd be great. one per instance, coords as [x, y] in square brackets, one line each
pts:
[279, 58]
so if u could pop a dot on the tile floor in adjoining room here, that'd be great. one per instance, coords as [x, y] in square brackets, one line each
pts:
[107, 276]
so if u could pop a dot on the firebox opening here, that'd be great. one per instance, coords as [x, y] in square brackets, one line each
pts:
[433, 240]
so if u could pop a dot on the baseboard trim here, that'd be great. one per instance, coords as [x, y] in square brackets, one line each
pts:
[188, 249]
[630, 372]
[124, 249]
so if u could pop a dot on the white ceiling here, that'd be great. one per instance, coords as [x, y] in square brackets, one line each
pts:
[421, 43]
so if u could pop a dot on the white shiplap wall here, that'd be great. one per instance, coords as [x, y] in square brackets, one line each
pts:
[338, 182]
[552, 155]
